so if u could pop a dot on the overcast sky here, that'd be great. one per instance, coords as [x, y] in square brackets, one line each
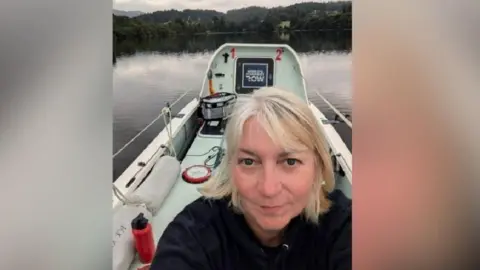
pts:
[220, 5]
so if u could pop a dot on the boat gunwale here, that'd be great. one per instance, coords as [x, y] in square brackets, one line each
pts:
[151, 153]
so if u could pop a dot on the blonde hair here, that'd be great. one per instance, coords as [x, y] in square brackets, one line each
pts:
[290, 123]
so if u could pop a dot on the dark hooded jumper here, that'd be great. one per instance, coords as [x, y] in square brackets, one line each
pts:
[207, 234]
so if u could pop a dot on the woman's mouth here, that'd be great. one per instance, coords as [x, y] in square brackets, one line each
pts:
[271, 209]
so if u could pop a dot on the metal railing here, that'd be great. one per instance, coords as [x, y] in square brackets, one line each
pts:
[149, 125]
[336, 111]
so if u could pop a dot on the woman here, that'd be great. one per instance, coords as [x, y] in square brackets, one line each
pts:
[270, 203]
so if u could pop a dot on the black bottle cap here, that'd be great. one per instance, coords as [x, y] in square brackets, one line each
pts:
[140, 222]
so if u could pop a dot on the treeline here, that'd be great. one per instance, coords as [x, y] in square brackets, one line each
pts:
[298, 17]
[328, 41]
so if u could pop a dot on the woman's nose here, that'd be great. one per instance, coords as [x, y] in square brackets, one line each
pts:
[270, 184]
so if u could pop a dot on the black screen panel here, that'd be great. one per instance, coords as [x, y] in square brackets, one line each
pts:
[253, 73]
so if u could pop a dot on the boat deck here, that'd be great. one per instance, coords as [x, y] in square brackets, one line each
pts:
[183, 193]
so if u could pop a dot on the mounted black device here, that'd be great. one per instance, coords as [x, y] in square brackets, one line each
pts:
[253, 73]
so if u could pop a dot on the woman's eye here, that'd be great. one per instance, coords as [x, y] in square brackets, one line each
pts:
[291, 161]
[247, 161]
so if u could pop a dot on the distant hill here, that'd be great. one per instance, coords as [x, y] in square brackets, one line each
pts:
[248, 14]
[163, 16]
[129, 14]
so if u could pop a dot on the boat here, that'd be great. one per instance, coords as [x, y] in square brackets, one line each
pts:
[166, 176]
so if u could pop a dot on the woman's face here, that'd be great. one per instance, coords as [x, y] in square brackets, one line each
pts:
[274, 185]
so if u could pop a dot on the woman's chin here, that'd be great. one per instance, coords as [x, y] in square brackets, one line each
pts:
[273, 223]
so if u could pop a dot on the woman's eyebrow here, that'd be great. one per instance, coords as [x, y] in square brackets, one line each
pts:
[248, 152]
[281, 155]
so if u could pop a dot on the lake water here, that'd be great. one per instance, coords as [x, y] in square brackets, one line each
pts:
[146, 76]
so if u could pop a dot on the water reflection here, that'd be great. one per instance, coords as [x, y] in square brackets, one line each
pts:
[339, 42]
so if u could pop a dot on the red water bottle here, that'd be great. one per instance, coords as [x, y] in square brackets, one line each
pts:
[143, 237]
